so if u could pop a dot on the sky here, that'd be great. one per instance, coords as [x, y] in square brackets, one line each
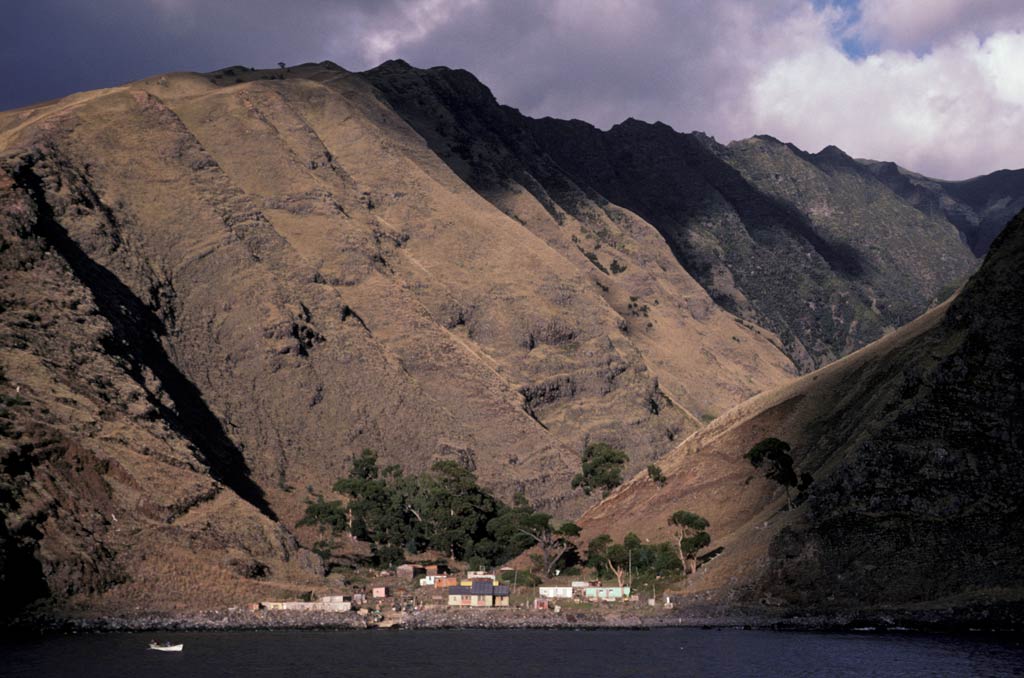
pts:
[934, 85]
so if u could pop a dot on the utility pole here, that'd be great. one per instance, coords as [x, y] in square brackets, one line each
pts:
[631, 570]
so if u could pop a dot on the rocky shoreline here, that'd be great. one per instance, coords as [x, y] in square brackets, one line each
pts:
[997, 618]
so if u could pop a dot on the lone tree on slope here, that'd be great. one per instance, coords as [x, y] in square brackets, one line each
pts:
[691, 536]
[773, 456]
[655, 473]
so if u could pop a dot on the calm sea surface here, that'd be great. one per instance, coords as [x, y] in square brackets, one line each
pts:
[552, 654]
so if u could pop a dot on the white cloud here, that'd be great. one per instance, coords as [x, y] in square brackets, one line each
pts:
[941, 90]
[956, 111]
[414, 21]
[935, 97]
[919, 25]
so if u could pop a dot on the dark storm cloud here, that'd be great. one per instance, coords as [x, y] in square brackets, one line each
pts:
[940, 90]
[49, 48]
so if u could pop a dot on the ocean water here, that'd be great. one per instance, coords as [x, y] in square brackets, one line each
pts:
[548, 653]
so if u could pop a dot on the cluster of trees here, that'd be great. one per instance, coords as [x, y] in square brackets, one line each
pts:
[632, 556]
[645, 560]
[446, 510]
[443, 510]
[602, 469]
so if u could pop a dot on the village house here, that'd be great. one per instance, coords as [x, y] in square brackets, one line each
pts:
[555, 591]
[381, 592]
[443, 582]
[609, 593]
[481, 593]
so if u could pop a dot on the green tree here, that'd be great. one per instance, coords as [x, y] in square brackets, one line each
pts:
[326, 515]
[379, 507]
[654, 473]
[535, 528]
[607, 557]
[508, 530]
[597, 548]
[772, 455]
[454, 509]
[690, 537]
[444, 509]
[644, 560]
[602, 468]
[330, 518]
[519, 578]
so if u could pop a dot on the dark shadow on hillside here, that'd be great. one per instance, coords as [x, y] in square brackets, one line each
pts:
[710, 555]
[21, 573]
[760, 211]
[136, 339]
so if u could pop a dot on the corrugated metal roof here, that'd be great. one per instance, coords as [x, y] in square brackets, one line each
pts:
[479, 588]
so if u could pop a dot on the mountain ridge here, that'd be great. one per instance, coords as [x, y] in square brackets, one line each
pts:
[219, 287]
[715, 205]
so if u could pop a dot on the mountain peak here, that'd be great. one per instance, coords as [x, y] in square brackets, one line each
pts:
[395, 65]
[832, 152]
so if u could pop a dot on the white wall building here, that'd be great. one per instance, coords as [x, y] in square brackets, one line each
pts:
[555, 591]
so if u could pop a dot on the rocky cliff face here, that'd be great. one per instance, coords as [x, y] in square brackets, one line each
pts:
[915, 444]
[923, 504]
[217, 288]
[815, 248]
[978, 207]
[114, 473]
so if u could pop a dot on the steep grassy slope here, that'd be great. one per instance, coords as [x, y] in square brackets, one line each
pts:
[915, 442]
[814, 248]
[114, 475]
[662, 308]
[216, 289]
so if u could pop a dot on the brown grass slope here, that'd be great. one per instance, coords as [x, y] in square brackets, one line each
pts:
[216, 288]
[915, 444]
[114, 477]
[662, 309]
[815, 248]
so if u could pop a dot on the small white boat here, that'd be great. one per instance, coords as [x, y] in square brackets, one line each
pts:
[167, 647]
